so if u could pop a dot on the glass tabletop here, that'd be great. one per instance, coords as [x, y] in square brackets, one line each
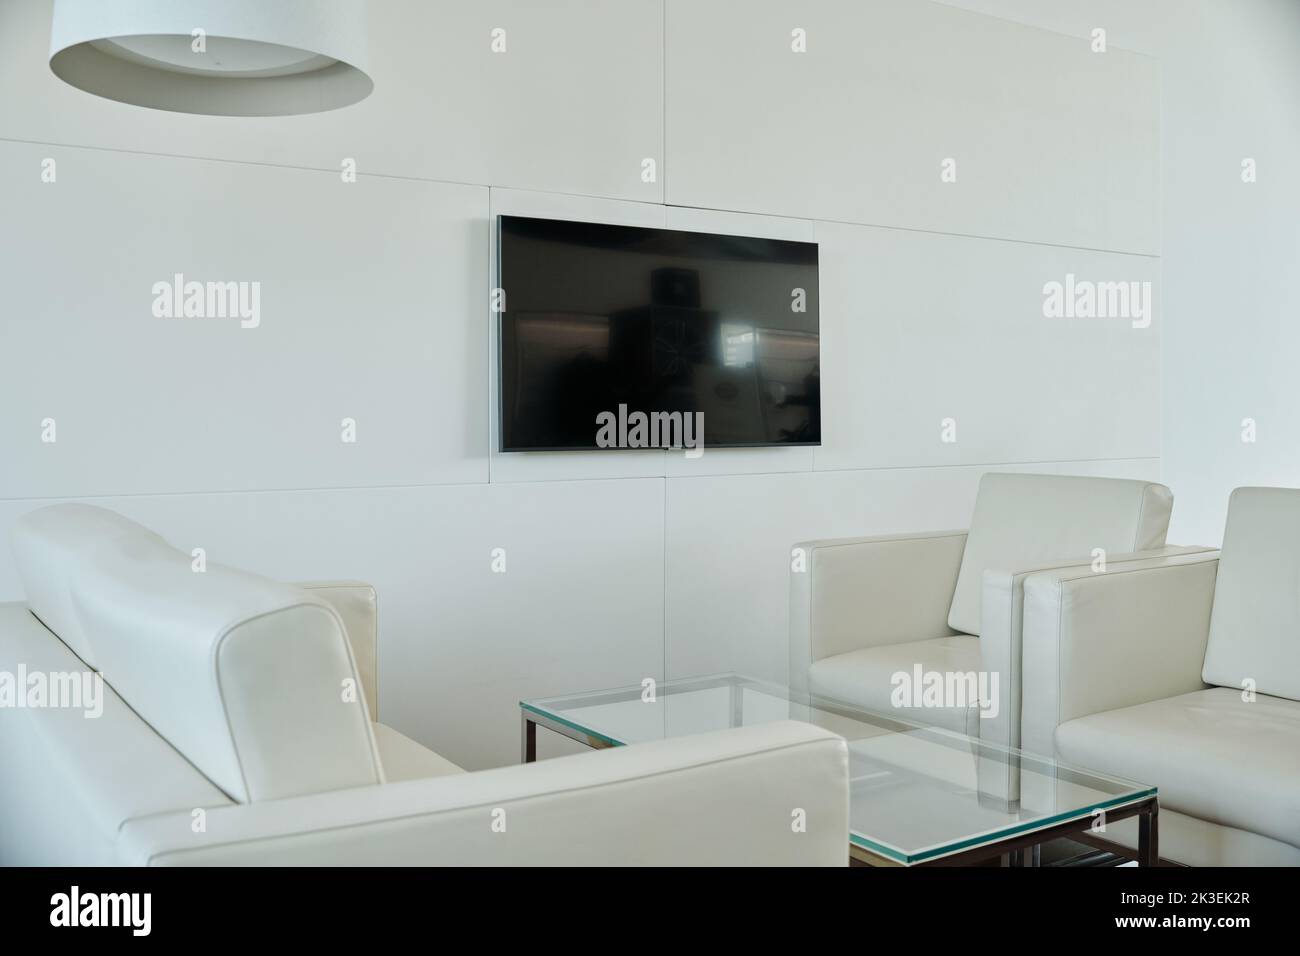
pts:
[916, 793]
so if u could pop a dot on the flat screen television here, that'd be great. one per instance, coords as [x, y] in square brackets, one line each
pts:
[608, 320]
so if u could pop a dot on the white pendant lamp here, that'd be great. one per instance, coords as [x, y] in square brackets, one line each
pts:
[220, 57]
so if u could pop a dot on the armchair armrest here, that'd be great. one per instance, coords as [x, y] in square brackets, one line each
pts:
[727, 798]
[355, 602]
[850, 593]
[1002, 629]
[1101, 641]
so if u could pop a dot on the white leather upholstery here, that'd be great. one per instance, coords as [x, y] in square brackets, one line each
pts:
[404, 759]
[1113, 668]
[357, 606]
[1001, 640]
[1002, 652]
[864, 609]
[1255, 628]
[1096, 642]
[856, 593]
[725, 799]
[51, 545]
[244, 676]
[68, 781]
[865, 678]
[1212, 755]
[1025, 521]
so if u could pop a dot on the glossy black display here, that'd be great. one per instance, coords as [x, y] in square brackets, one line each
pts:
[657, 320]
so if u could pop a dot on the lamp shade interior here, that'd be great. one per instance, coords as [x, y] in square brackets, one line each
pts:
[234, 58]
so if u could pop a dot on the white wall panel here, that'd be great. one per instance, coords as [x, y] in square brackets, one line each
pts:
[573, 105]
[365, 313]
[1053, 143]
[1233, 92]
[375, 306]
[579, 606]
[729, 541]
[917, 328]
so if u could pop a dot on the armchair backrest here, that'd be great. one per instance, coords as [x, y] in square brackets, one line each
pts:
[1255, 622]
[247, 678]
[1022, 521]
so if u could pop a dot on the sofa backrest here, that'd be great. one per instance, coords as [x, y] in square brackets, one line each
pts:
[1255, 623]
[251, 680]
[72, 773]
[1022, 521]
[51, 545]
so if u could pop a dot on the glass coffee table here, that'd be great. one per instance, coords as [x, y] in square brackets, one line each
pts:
[917, 795]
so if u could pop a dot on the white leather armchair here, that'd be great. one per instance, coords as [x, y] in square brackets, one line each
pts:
[1183, 672]
[235, 725]
[865, 609]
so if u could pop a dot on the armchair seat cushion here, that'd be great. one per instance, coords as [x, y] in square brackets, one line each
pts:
[865, 678]
[1211, 754]
[404, 759]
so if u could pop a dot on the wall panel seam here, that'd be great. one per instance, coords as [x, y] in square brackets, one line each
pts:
[592, 196]
[574, 481]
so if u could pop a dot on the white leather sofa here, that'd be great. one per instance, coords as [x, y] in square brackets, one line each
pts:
[1183, 672]
[237, 727]
[865, 609]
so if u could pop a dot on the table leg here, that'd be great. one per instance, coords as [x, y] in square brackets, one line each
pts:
[1149, 836]
[528, 744]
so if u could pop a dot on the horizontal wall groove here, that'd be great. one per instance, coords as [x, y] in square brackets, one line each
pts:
[913, 229]
[330, 489]
[1081, 33]
[396, 177]
[235, 162]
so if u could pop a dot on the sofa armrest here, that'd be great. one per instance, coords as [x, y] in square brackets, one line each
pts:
[724, 799]
[356, 603]
[850, 593]
[1101, 641]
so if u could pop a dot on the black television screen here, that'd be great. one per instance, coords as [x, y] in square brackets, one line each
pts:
[601, 321]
